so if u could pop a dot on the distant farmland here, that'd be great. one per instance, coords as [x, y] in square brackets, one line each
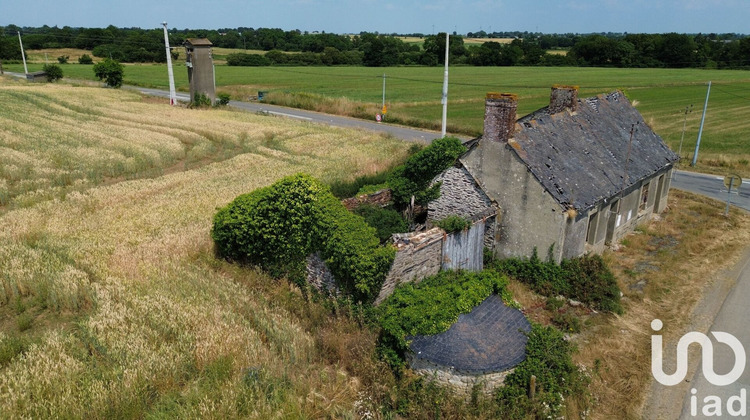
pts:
[413, 96]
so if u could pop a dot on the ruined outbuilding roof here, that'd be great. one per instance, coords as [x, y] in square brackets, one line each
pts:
[579, 157]
[198, 42]
[487, 340]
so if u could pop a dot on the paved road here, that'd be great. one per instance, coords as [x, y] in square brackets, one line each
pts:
[732, 318]
[712, 186]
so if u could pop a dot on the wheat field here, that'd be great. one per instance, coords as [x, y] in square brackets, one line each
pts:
[112, 304]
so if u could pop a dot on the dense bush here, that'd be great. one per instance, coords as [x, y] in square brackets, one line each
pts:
[432, 306]
[222, 99]
[453, 223]
[548, 357]
[63, 59]
[252, 60]
[54, 72]
[85, 59]
[586, 278]
[386, 221]
[110, 71]
[276, 227]
[413, 177]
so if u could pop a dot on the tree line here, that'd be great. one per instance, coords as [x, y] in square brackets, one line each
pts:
[672, 50]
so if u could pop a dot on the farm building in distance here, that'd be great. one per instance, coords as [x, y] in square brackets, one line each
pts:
[573, 176]
[200, 65]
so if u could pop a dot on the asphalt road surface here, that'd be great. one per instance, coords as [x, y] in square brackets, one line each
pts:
[712, 186]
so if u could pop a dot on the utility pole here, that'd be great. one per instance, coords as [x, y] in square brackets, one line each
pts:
[445, 83]
[170, 73]
[688, 109]
[700, 132]
[383, 109]
[23, 55]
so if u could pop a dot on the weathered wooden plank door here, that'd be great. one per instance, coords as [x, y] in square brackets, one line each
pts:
[464, 250]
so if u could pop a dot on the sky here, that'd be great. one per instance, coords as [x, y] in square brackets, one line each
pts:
[390, 16]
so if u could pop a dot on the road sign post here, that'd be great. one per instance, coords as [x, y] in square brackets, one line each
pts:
[731, 181]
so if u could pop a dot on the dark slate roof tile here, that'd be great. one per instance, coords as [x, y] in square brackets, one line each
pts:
[579, 157]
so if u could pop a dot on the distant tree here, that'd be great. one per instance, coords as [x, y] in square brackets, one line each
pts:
[54, 72]
[110, 71]
[85, 59]
[63, 59]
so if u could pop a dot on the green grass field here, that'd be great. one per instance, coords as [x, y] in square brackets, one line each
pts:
[413, 96]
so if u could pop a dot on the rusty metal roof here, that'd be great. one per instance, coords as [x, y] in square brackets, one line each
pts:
[580, 157]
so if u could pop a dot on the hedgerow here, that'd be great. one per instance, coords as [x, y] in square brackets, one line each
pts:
[278, 226]
[432, 306]
[586, 279]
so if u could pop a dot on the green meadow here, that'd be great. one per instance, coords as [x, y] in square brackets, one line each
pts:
[413, 96]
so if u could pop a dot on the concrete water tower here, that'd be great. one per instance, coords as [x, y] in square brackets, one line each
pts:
[200, 65]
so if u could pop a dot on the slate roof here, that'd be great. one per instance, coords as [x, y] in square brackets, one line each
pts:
[487, 340]
[579, 158]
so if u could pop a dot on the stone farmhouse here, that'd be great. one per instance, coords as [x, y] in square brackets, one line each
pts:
[574, 176]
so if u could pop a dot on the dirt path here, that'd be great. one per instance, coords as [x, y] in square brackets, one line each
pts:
[668, 402]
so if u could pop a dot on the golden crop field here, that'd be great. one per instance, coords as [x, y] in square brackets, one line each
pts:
[111, 301]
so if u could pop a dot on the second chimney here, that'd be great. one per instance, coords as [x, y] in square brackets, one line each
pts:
[563, 97]
[500, 116]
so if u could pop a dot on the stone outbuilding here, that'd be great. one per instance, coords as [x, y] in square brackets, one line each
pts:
[573, 176]
[200, 65]
[481, 348]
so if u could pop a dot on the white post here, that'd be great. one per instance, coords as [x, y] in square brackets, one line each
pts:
[23, 55]
[445, 84]
[700, 132]
[172, 93]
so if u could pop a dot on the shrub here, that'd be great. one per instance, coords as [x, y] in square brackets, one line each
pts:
[276, 227]
[567, 322]
[85, 59]
[432, 306]
[343, 189]
[586, 278]
[63, 59]
[110, 71]
[200, 100]
[385, 221]
[222, 99]
[453, 223]
[54, 72]
[549, 358]
[413, 178]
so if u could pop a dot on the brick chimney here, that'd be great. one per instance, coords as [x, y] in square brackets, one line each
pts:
[563, 97]
[500, 116]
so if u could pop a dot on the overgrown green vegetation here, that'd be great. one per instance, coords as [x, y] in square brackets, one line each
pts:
[278, 226]
[432, 306]
[413, 178]
[548, 358]
[110, 71]
[54, 72]
[586, 279]
[385, 220]
[453, 223]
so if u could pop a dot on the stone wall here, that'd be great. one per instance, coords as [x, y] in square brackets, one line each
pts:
[459, 195]
[419, 255]
[320, 276]
[462, 382]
